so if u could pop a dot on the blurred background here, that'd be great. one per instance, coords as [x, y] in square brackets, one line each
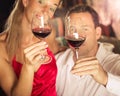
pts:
[5, 8]
[108, 11]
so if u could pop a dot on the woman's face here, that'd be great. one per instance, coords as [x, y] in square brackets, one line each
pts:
[47, 6]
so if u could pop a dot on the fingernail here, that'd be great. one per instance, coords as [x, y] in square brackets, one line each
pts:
[46, 45]
[72, 71]
[44, 42]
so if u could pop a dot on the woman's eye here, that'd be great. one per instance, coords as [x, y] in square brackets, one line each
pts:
[40, 1]
[52, 9]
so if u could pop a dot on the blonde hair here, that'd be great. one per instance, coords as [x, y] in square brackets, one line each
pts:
[13, 29]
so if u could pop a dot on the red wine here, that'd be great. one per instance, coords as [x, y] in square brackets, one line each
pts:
[41, 32]
[75, 42]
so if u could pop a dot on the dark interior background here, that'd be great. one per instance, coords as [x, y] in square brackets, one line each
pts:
[5, 9]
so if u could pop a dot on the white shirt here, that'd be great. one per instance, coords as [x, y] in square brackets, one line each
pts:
[68, 84]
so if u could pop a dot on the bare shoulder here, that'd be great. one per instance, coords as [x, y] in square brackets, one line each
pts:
[3, 52]
[6, 71]
[3, 36]
[3, 55]
[2, 44]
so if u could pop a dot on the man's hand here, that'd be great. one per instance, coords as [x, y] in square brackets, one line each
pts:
[90, 66]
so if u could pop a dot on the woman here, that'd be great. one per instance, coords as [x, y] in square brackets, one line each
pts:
[22, 50]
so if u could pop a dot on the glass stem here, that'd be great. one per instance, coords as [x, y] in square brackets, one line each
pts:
[77, 53]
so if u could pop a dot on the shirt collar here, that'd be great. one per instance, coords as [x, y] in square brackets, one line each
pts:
[102, 51]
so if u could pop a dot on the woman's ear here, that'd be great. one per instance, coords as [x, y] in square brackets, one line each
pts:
[98, 32]
[25, 2]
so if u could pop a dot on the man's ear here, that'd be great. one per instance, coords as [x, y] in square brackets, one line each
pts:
[25, 2]
[98, 32]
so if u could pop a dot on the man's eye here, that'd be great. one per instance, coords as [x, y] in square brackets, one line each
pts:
[85, 29]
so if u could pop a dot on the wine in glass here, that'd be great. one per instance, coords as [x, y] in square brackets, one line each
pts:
[74, 35]
[41, 28]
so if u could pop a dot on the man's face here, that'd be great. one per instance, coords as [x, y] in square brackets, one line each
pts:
[84, 22]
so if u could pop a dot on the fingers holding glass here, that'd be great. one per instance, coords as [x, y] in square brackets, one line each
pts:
[41, 28]
[33, 54]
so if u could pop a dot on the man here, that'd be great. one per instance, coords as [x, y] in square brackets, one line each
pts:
[96, 75]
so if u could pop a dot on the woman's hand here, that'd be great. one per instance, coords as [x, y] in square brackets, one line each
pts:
[33, 54]
[90, 66]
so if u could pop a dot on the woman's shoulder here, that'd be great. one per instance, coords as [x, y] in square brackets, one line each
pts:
[3, 36]
[4, 61]
[2, 49]
[3, 52]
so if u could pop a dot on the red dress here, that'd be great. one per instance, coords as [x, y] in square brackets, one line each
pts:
[44, 79]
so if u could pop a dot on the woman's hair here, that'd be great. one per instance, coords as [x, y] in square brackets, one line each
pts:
[13, 29]
[85, 8]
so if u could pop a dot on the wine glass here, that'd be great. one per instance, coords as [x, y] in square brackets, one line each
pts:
[41, 28]
[74, 34]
